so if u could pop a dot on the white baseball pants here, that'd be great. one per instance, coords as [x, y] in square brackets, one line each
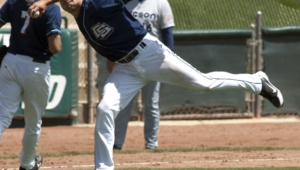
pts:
[150, 99]
[155, 62]
[21, 78]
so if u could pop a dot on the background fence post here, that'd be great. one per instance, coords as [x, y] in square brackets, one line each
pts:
[90, 84]
[252, 65]
[258, 105]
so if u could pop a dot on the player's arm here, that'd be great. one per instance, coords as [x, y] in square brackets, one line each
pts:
[167, 24]
[167, 37]
[54, 41]
[40, 6]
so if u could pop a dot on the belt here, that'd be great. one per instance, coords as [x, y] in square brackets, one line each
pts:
[129, 57]
[39, 61]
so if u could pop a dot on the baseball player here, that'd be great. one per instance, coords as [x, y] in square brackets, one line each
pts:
[157, 17]
[139, 59]
[25, 71]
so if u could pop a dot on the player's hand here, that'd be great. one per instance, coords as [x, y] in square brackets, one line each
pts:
[37, 6]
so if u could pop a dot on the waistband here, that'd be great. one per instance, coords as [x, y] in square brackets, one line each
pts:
[139, 49]
[27, 59]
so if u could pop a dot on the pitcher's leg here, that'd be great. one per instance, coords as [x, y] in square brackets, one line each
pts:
[121, 123]
[121, 86]
[104, 135]
[150, 95]
[107, 110]
[166, 67]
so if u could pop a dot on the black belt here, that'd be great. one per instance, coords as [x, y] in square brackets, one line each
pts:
[129, 57]
[39, 61]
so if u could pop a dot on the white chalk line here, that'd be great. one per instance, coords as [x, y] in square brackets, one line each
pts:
[167, 162]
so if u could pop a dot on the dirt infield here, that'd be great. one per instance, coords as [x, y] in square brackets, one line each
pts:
[175, 134]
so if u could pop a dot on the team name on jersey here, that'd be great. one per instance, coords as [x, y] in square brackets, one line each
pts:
[102, 30]
[144, 15]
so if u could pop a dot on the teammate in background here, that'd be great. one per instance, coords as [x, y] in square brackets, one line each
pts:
[139, 59]
[157, 17]
[25, 71]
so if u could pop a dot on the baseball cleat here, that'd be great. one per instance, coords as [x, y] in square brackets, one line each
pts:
[38, 163]
[269, 91]
[117, 147]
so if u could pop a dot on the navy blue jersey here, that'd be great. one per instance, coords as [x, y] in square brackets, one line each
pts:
[109, 27]
[29, 36]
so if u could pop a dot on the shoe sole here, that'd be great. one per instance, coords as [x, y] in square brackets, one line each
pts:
[279, 94]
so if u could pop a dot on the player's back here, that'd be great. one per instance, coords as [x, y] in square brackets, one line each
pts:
[29, 35]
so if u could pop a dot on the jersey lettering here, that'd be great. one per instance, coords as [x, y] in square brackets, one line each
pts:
[144, 15]
[102, 30]
[25, 17]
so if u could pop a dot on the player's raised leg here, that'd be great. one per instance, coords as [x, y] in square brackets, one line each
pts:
[269, 91]
[161, 64]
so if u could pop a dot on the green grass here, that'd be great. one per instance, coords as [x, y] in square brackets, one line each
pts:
[229, 14]
[207, 149]
[234, 149]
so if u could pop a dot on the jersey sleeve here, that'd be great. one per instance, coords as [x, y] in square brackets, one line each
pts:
[53, 20]
[167, 19]
[5, 12]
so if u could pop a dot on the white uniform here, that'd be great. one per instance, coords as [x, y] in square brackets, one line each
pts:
[155, 15]
[155, 62]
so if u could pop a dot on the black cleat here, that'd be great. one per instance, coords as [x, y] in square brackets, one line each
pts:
[269, 91]
[117, 147]
[38, 163]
